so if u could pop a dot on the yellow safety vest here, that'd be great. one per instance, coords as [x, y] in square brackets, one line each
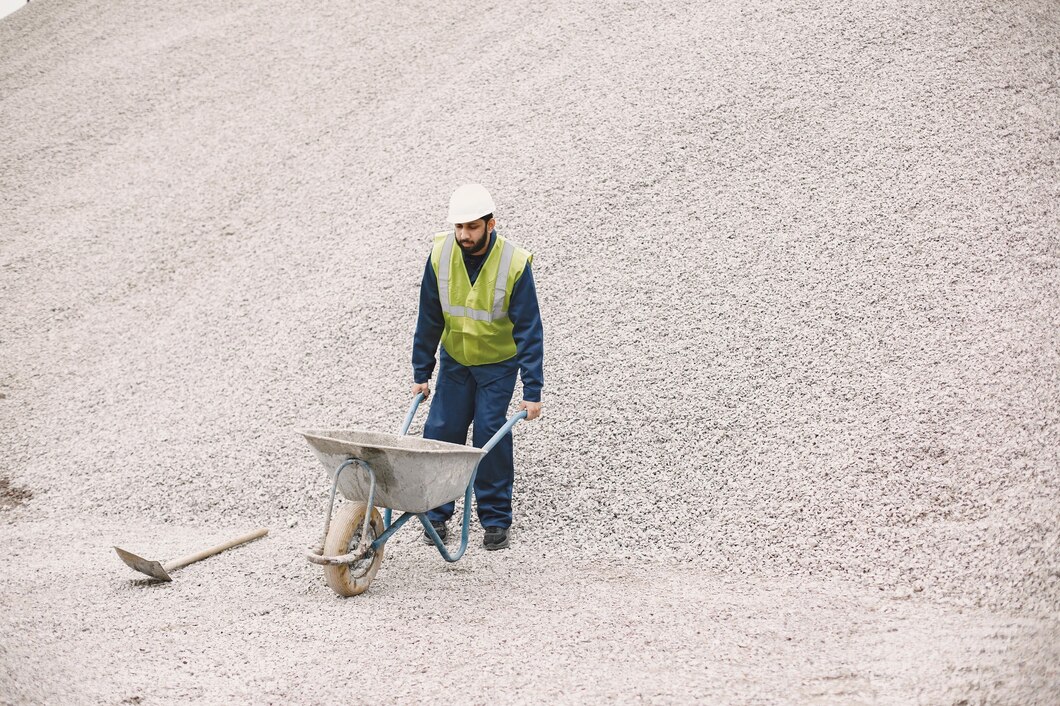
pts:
[477, 328]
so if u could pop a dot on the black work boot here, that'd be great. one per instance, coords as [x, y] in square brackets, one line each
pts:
[441, 528]
[496, 538]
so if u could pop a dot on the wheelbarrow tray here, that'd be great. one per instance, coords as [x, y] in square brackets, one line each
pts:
[411, 474]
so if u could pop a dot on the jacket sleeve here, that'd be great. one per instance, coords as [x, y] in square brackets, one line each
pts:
[429, 327]
[528, 333]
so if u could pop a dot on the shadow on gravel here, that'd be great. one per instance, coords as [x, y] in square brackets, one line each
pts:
[145, 583]
[12, 496]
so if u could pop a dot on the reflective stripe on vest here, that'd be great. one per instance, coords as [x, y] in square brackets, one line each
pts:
[478, 328]
[498, 312]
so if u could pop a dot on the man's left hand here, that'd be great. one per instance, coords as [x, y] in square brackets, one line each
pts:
[533, 409]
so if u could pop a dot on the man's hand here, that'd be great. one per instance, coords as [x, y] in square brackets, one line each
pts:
[533, 409]
[424, 387]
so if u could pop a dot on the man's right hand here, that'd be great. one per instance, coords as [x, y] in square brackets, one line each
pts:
[424, 387]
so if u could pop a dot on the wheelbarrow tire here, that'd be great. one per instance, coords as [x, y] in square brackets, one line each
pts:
[343, 536]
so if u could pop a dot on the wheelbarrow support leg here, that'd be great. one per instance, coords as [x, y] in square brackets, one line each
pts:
[466, 522]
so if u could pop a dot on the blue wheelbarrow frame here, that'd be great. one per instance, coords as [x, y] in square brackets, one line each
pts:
[366, 548]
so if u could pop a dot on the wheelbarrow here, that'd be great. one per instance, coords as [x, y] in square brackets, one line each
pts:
[394, 472]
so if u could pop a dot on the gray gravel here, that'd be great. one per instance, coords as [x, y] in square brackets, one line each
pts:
[798, 264]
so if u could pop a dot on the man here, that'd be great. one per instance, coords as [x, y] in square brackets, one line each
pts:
[479, 301]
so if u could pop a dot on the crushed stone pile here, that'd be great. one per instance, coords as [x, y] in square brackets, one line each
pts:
[797, 262]
[798, 267]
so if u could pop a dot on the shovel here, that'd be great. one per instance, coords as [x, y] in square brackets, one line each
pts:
[160, 571]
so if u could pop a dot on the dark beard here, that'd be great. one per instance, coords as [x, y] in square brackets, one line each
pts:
[474, 247]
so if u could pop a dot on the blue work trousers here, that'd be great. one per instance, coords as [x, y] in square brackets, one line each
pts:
[479, 394]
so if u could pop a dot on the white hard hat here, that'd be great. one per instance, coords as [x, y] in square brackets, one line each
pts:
[469, 203]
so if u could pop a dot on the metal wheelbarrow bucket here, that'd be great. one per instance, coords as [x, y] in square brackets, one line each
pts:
[396, 472]
[411, 474]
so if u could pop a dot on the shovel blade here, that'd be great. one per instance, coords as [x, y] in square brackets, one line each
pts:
[153, 569]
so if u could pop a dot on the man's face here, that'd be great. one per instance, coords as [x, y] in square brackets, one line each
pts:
[474, 236]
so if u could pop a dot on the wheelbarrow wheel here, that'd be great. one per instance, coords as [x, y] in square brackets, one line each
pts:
[343, 537]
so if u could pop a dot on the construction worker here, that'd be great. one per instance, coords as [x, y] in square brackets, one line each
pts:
[478, 299]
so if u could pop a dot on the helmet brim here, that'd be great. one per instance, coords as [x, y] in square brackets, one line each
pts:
[465, 217]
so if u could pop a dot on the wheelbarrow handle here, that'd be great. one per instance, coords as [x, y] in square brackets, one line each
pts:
[420, 397]
[521, 414]
[411, 413]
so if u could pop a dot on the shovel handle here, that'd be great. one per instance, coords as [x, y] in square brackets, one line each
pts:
[192, 558]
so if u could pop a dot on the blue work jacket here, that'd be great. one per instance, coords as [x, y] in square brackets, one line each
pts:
[522, 310]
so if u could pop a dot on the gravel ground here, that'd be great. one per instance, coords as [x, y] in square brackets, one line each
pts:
[798, 264]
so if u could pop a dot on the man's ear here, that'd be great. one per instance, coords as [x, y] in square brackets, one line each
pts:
[491, 225]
